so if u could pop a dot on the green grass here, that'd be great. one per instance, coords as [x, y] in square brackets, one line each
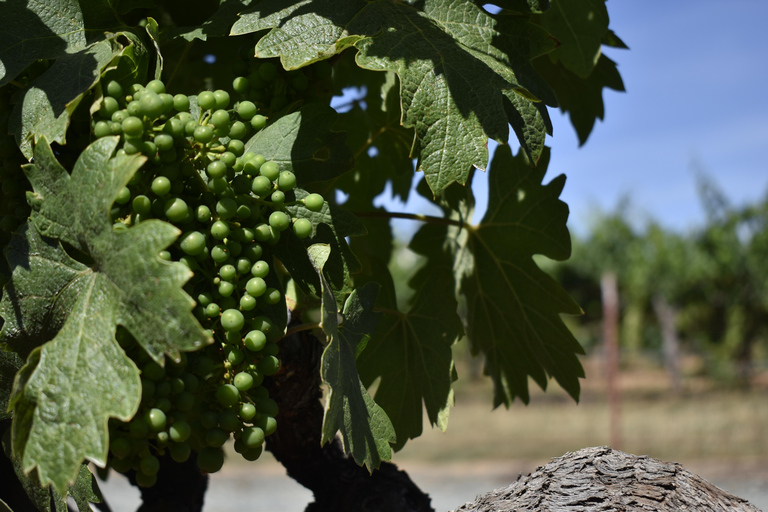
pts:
[702, 423]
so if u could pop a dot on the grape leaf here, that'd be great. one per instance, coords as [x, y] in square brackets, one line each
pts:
[72, 384]
[581, 98]
[10, 363]
[302, 142]
[411, 351]
[366, 430]
[580, 26]
[454, 65]
[47, 29]
[512, 307]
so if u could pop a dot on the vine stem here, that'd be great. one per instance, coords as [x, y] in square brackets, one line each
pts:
[301, 327]
[414, 216]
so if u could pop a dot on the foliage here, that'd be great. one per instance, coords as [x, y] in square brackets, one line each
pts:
[87, 302]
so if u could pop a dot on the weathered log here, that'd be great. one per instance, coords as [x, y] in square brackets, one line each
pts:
[601, 479]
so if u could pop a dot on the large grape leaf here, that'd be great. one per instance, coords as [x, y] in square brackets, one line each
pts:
[411, 351]
[49, 29]
[72, 384]
[581, 98]
[455, 66]
[513, 308]
[579, 26]
[302, 142]
[366, 430]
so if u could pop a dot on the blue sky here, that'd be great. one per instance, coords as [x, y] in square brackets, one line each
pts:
[696, 77]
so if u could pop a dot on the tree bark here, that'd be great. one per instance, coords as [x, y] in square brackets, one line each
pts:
[338, 483]
[601, 479]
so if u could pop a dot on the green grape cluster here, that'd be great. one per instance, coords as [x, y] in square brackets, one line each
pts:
[232, 208]
[272, 88]
[13, 184]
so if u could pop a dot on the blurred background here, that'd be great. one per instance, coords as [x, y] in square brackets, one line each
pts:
[669, 211]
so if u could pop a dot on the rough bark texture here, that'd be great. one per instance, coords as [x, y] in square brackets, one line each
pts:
[338, 483]
[601, 479]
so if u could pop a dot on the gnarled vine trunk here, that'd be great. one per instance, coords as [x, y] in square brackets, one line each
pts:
[601, 479]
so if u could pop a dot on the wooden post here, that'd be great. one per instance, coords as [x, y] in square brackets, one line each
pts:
[610, 293]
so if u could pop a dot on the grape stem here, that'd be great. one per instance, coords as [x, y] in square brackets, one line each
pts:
[301, 327]
[414, 216]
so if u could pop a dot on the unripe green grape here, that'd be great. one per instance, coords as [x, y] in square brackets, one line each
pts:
[247, 411]
[302, 228]
[228, 158]
[102, 129]
[220, 253]
[252, 454]
[145, 480]
[216, 437]
[232, 320]
[152, 105]
[169, 156]
[149, 465]
[193, 243]
[167, 102]
[219, 186]
[180, 431]
[234, 248]
[269, 365]
[267, 406]
[114, 89]
[119, 117]
[155, 419]
[164, 141]
[240, 84]
[271, 349]
[222, 98]
[176, 210]
[226, 289]
[226, 208]
[255, 340]
[286, 181]
[261, 186]
[246, 110]
[237, 147]
[279, 221]
[161, 186]
[210, 459]
[247, 302]
[123, 196]
[237, 130]
[109, 106]
[228, 272]
[153, 371]
[270, 170]
[229, 420]
[314, 202]
[272, 296]
[206, 100]
[133, 126]
[244, 211]
[256, 287]
[191, 382]
[156, 85]
[227, 395]
[219, 118]
[267, 423]
[190, 127]
[164, 404]
[122, 447]
[263, 232]
[252, 437]
[203, 134]
[258, 122]
[202, 213]
[142, 205]
[243, 381]
[260, 269]
[219, 230]
[180, 452]
[278, 197]
[253, 251]
[181, 102]
[147, 389]
[263, 324]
